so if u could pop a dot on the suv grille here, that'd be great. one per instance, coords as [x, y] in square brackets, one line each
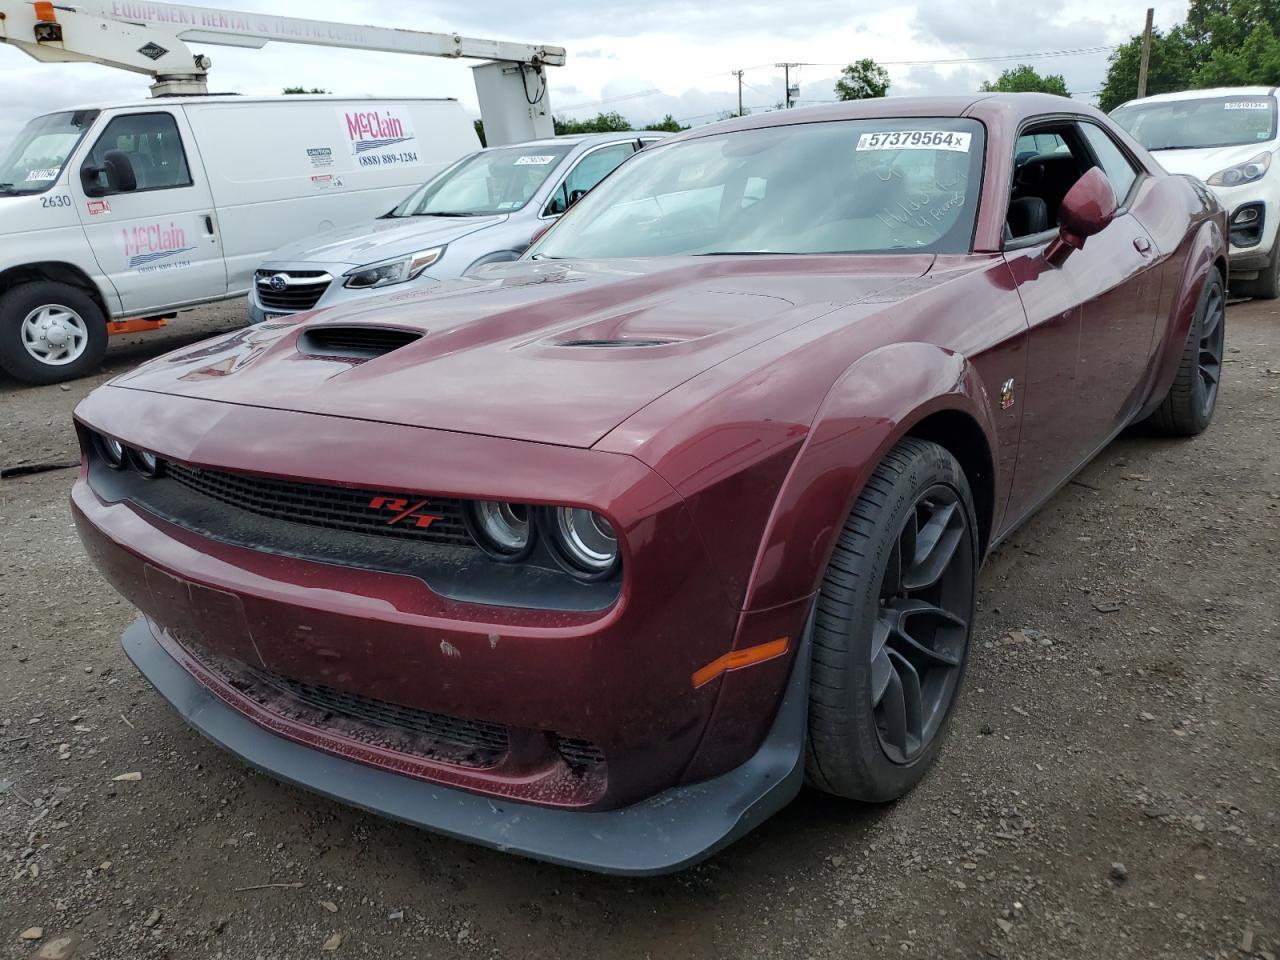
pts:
[301, 289]
[338, 508]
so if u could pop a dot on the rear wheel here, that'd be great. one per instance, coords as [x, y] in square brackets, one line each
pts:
[50, 332]
[1188, 407]
[892, 627]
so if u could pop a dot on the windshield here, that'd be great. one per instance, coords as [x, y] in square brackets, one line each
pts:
[847, 186]
[491, 181]
[1191, 124]
[40, 150]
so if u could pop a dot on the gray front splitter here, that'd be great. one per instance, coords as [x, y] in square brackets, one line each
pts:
[665, 833]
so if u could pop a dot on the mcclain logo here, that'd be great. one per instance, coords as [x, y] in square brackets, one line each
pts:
[404, 511]
[374, 131]
[147, 244]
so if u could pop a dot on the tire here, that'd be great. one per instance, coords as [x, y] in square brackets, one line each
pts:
[854, 748]
[1188, 406]
[75, 320]
[1267, 284]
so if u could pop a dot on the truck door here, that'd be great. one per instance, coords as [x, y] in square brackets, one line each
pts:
[159, 242]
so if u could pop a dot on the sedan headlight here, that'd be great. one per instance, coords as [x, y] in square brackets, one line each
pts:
[387, 272]
[1242, 173]
[584, 542]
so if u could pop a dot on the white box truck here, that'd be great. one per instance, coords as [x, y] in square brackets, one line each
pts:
[139, 210]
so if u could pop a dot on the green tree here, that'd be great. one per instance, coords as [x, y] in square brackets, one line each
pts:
[669, 124]
[1222, 43]
[1171, 68]
[862, 80]
[1024, 79]
[600, 123]
[296, 90]
[1257, 60]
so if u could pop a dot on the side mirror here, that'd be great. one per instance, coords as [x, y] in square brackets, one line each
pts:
[1088, 208]
[575, 196]
[118, 170]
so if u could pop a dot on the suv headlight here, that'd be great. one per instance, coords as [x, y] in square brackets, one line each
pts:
[1242, 173]
[387, 272]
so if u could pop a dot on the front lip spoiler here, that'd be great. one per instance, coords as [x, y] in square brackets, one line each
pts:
[665, 833]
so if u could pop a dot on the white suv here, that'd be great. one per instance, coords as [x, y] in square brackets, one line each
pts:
[1228, 138]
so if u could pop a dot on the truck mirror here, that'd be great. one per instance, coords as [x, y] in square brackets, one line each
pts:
[116, 169]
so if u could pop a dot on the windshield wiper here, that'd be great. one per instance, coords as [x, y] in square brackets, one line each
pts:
[446, 213]
[738, 253]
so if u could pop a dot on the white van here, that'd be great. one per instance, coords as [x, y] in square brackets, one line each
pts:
[142, 209]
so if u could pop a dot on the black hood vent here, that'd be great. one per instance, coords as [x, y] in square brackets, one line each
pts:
[354, 343]
[619, 342]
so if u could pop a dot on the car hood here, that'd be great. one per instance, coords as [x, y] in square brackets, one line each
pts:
[548, 351]
[382, 239]
[1205, 162]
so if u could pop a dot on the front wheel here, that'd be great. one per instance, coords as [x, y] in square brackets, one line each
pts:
[1188, 406]
[892, 627]
[50, 332]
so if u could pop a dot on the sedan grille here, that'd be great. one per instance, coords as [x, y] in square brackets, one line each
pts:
[291, 291]
[427, 520]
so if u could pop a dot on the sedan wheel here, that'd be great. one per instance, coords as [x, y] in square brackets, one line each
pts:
[1188, 406]
[892, 626]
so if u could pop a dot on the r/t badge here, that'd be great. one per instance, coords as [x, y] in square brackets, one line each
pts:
[1006, 394]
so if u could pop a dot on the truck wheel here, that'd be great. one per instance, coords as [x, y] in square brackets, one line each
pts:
[892, 627]
[1188, 406]
[50, 332]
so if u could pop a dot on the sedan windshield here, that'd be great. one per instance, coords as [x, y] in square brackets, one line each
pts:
[1193, 124]
[846, 186]
[488, 182]
[36, 157]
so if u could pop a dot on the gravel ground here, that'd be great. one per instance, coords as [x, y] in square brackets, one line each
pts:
[1110, 788]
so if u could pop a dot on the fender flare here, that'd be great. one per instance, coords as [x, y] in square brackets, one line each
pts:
[874, 404]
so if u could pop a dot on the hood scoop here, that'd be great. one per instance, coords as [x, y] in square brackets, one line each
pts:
[358, 343]
[616, 342]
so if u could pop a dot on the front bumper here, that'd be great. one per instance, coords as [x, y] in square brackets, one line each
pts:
[334, 293]
[666, 832]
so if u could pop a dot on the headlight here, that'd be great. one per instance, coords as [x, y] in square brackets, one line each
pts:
[1242, 173]
[392, 271]
[147, 463]
[111, 450]
[502, 530]
[584, 541]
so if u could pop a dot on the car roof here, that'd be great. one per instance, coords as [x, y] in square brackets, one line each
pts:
[1254, 91]
[1007, 108]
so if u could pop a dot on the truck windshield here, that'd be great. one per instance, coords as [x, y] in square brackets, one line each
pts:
[846, 186]
[1199, 123]
[40, 150]
[491, 181]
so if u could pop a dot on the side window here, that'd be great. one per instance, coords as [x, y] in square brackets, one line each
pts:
[1112, 160]
[153, 145]
[591, 169]
[1042, 178]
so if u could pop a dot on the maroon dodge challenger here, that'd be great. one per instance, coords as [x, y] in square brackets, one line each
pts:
[597, 556]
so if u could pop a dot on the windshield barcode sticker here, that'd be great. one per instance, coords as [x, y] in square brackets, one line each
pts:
[1246, 105]
[534, 160]
[46, 174]
[915, 140]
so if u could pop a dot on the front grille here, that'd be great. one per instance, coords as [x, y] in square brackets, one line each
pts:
[403, 516]
[579, 754]
[433, 736]
[302, 291]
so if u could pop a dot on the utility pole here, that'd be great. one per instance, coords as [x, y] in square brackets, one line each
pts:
[1146, 54]
[786, 81]
[738, 74]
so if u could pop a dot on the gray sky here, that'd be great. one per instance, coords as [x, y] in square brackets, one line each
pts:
[641, 59]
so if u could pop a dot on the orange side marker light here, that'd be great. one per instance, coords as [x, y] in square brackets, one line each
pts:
[737, 659]
[44, 12]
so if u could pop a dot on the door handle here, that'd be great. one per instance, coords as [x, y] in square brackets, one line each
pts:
[1142, 245]
[208, 225]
